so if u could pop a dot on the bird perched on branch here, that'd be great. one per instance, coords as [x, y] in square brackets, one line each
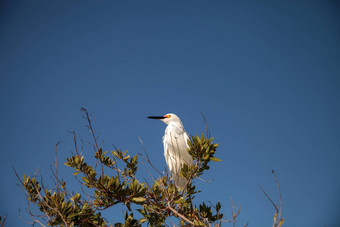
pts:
[175, 141]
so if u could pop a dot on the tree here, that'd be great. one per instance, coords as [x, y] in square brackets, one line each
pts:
[114, 181]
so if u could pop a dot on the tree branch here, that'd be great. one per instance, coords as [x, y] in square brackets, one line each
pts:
[180, 215]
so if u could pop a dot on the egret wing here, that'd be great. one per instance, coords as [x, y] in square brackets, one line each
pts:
[167, 154]
[187, 156]
[186, 138]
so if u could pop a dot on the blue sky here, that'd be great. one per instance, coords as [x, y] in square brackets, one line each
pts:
[264, 73]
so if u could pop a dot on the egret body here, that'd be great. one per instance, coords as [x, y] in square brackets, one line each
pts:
[175, 141]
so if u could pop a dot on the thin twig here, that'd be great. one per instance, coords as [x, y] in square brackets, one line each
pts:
[235, 214]
[207, 131]
[148, 173]
[147, 157]
[37, 221]
[93, 135]
[3, 221]
[276, 208]
[278, 188]
[75, 142]
[206, 181]
[56, 166]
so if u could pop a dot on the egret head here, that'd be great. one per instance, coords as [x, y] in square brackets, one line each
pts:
[169, 118]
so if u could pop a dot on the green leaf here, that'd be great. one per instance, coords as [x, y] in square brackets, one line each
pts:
[67, 164]
[218, 206]
[180, 200]
[85, 180]
[138, 199]
[134, 159]
[281, 222]
[214, 159]
[142, 220]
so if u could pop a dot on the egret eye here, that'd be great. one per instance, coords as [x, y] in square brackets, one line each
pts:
[168, 116]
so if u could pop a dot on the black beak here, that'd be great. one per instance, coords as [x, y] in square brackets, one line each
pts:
[156, 117]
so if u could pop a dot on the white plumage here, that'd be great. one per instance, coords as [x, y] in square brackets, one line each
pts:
[175, 141]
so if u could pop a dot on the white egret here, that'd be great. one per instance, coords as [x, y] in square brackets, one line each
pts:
[175, 141]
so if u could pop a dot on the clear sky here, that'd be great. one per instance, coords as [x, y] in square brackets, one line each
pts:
[266, 74]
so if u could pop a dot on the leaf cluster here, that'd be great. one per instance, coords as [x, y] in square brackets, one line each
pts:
[59, 208]
[122, 187]
[202, 151]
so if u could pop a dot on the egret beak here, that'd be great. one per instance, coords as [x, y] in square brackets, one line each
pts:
[157, 117]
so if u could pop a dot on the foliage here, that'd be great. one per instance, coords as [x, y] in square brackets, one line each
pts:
[158, 203]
